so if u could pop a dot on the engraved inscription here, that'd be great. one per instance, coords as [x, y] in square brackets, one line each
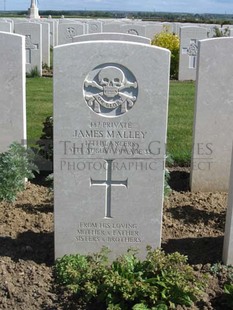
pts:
[108, 183]
[108, 232]
[108, 92]
[111, 138]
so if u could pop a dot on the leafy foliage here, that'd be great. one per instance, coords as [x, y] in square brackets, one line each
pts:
[228, 290]
[160, 282]
[172, 43]
[16, 164]
[167, 188]
[46, 140]
[219, 269]
[218, 32]
[33, 73]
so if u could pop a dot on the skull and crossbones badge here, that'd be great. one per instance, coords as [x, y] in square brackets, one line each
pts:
[110, 90]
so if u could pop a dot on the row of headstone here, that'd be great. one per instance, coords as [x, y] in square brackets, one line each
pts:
[33, 46]
[37, 35]
[120, 26]
[64, 31]
[109, 136]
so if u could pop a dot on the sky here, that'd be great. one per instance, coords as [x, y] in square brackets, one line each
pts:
[188, 6]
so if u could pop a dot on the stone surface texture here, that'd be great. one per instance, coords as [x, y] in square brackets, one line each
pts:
[213, 130]
[110, 121]
[12, 89]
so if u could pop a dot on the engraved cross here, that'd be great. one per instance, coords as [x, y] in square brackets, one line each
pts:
[191, 51]
[29, 47]
[108, 183]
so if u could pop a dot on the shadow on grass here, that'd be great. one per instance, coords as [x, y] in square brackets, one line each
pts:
[38, 247]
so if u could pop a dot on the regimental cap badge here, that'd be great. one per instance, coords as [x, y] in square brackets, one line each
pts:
[110, 90]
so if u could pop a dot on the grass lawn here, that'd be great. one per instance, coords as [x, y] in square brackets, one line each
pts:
[39, 105]
[180, 120]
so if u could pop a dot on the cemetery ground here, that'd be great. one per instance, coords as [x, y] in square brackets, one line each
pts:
[193, 223]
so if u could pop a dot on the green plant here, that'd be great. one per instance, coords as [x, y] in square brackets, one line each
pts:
[51, 58]
[44, 147]
[16, 164]
[225, 272]
[219, 269]
[46, 140]
[45, 66]
[228, 290]
[219, 32]
[160, 282]
[50, 179]
[82, 275]
[47, 71]
[34, 72]
[172, 43]
[167, 188]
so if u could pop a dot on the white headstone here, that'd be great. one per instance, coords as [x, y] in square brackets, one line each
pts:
[5, 26]
[135, 29]
[153, 29]
[94, 26]
[33, 44]
[228, 237]
[45, 43]
[12, 89]
[110, 119]
[213, 123]
[53, 32]
[189, 37]
[211, 32]
[176, 28]
[111, 36]
[112, 27]
[66, 32]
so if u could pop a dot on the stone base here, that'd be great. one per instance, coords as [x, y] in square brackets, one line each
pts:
[33, 13]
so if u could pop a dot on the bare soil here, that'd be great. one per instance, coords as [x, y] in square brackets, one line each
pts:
[193, 225]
